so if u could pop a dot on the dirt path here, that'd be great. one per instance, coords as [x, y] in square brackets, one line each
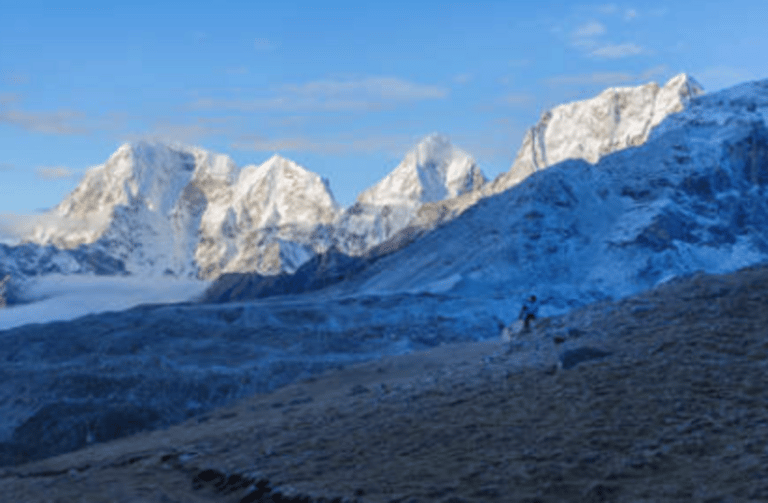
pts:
[676, 411]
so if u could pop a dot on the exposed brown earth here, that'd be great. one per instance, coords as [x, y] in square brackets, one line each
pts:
[677, 411]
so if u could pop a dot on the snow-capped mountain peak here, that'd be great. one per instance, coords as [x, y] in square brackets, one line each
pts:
[432, 171]
[162, 209]
[281, 187]
[617, 118]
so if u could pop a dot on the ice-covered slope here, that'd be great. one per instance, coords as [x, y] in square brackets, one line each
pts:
[693, 197]
[187, 212]
[432, 171]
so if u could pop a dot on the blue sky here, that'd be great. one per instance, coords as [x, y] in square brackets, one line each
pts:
[343, 88]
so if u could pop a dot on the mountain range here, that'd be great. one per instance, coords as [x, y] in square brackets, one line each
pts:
[691, 197]
[154, 209]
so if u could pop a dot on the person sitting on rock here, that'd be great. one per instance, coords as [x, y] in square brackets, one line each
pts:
[529, 312]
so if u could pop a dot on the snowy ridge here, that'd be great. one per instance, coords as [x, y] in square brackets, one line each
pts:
[188, 212]
[273, 219]
[617, 118]
[182, 211]
[433, 171]
[693, 197]
[157, 209]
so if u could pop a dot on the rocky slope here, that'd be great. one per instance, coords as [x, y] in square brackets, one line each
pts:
[659, 398]
[65, 385]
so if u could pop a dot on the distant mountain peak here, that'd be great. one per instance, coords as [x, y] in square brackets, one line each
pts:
[615, 119]
[687, 82]
[278, 161]
[432, 171]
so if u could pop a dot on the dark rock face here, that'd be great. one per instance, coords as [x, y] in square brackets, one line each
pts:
[321, 271]
[3, 290]
[29, 259]
[11, 289]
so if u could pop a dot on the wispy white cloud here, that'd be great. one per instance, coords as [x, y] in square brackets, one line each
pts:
[14, 78]
[616, 51]
[191, 132]
[387, 88]
[652, 72]
[7, 99]
[519, 63]
[590, 36]
[588, 30]
[362, 94]
[519, 99]
[463, 78]
[54, 173]
[605, 78]
[59, 122]
[64, 122]
[602, 78]
[6, 166]
[237, 70]
[609, 8]
[392, 144]
[263, 44]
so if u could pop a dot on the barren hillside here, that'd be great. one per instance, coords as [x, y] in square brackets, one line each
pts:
[660, 397]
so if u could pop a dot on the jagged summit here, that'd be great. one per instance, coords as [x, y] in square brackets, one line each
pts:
[282, 187]
[180, 210]
[688, 86]
[617, 118]
[431, 171]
